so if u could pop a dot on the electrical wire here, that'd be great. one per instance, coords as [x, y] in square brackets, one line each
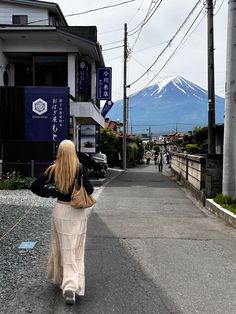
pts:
[219, 7]
[145, 22]
[179, 45]
[149, 8]
[102, 8]
[139, 8]
[169, 43]
[164, 42]
[88, 11]
[114, 42]
[113, 48]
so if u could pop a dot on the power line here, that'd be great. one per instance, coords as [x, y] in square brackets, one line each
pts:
[113, 48]
[178, 47]
[164, 42]
[219, 7]
[114, 42]
[136, 12]
[88, 11]
[169, 43]
[141, 24]
[102, 8]
[145, 21]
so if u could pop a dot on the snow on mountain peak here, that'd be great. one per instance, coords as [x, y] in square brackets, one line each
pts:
[177, 83]
[163, 82]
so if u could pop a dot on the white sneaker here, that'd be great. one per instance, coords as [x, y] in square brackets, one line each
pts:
[69, 296]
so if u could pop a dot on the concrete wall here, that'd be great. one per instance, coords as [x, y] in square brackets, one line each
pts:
[191, 171]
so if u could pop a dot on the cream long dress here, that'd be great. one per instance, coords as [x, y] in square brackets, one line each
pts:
[66, 258]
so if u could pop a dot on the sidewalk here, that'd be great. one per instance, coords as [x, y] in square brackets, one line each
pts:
[149, 250]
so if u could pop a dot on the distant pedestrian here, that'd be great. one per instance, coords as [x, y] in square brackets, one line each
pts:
[68, 225]
[155, 157]
[148, 157]
[160, 162]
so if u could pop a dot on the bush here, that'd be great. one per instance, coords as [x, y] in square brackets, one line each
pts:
[15, 183]
[226, 201]
[109, 146]
[132, 152]
[192, 149]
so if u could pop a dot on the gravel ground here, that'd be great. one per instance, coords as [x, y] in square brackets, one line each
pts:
[18, 266]
[23, 272]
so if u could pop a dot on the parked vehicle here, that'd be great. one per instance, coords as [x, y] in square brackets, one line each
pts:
[96, 164]
[100, 160]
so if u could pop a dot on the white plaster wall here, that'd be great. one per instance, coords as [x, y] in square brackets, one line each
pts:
[34, 14]
[38, 46]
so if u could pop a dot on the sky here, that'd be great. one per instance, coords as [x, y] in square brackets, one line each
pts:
[164, 34]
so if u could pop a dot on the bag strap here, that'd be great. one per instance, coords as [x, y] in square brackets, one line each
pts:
[80, 174]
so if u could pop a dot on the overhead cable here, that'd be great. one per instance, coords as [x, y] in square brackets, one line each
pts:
[113, 48]
[220, 7]
[177, 48]
[88, 11]
[146, 19]
[169, 43]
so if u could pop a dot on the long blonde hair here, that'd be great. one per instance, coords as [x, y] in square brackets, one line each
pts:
[64, 167]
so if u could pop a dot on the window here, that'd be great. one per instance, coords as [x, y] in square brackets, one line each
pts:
[51, 70]
[53, 21]
[20, 19]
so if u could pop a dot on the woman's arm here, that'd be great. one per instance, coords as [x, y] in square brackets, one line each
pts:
[39, 187]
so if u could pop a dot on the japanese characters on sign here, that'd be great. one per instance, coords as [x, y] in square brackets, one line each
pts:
[46, 114]
[84, 77]
[58, 118]
[106, 107]
[104, 79]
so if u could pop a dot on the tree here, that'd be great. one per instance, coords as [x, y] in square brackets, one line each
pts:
[197, 142]
[109, 143]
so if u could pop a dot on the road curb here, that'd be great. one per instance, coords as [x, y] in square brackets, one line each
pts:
[221, 212]
[111, 175]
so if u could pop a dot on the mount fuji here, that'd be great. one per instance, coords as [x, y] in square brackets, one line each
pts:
[173, 103]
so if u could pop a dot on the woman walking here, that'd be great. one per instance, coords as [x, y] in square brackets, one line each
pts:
[68, 225]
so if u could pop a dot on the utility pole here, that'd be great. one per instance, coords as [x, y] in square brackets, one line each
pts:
[211, 80]
[125, 98]
[229, 154]
[149, 134]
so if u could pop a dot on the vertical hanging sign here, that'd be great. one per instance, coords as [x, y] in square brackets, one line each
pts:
[46, 113]
[106, 107]
[104, 76]
[84, 78]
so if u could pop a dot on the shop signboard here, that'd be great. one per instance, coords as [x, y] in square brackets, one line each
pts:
[104, 79]
[46, 113]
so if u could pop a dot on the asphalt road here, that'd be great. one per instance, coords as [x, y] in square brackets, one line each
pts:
[150, 249]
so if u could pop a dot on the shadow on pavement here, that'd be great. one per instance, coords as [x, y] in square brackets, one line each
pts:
[115, 282]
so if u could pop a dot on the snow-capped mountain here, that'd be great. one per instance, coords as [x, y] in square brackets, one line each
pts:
[171, 103]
